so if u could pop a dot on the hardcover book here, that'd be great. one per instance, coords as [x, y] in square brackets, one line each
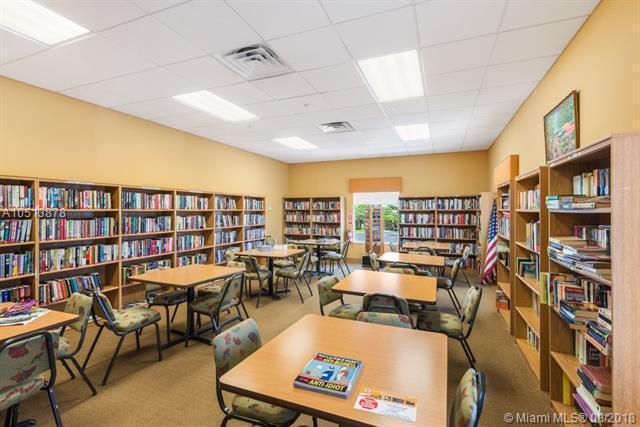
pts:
[329, 374]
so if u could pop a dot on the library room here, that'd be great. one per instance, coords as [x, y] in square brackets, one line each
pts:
[315, 213]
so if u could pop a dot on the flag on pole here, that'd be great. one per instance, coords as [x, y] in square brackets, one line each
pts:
[491, 257]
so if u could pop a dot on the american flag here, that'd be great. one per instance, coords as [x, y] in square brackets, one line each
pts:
[489, 274]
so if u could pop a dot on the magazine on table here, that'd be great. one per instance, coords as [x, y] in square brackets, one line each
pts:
[329, 374]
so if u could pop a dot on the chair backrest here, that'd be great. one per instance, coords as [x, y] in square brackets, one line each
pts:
[465, 254]
[102, 307]
[302, 261]
[389, 319]
[81, 305]
[383, 303]
[468, 400]
[373, 261]
[250, 263]
[231, 292]
[401, 268]
[455, 268]
[235, 344]
[325, 291]
[424, 250]
[26, 357]
[269, 240]
[231, 254]
[393, 247]
[345, 250]
[470, 306]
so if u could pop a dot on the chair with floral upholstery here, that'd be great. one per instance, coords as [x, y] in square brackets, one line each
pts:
[393, 247]
[81, 305]
[448, 283]
[389, 319]
[373, 261]
[294, 274]
[255, 272]
[230, 348]
[168, 298]
[400, 268]
[215, 288]
[468, 400]
[339, 258]
[326, 296]
[455, 327]
[383, 303]
[213, 306]
[121, 323]
[24, 364]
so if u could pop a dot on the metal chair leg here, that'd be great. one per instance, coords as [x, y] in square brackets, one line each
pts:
[158, 343]
[113, 360]
[245, 309]
[467, 354]
[175, 311]
[466, 278]
[259, 291]
[84, 375]
[469, 350]
[166, 309]
[68, 369]
[54, 406]
[341, 269]
[452, 296]
[295, 282]
[8, 416]
[93, 345]
[137, 340]
[308, 286]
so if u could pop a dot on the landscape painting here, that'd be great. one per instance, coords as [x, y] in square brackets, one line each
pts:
[561, 133]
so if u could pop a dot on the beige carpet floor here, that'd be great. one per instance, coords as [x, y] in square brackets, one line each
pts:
[180, 390]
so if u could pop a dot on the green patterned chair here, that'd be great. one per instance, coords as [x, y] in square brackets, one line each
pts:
[167, 299]
[24, 364]
[121, 323]
[215, 288]
[400, 268]
[230, 348]
[455, 327]
[448, 283]
[389, 319]
[81, 305]
[326, 296]
[393, 247]
[254, 272]
[373, 261]
[338, 258]
[468, 400]
[213, 306]
[294, 274]
[383, 303]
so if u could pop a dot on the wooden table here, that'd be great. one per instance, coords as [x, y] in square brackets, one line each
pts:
[410, 363]
[187, 277]
[418, 289]
[51, 320]
[271, 255]
[436, 246]
[413, 258]
[318, 243]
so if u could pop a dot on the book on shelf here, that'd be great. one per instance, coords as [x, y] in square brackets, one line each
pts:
[504, 222]
[503, 253]
[227, 236]
[504, 201]
[597, 381]
[147, 247]
[528, 266]
[191, 222]
[136, 200]
[55, 290]
[598, 236]
[16, 264]
[577, 253]
[593, 183]
[76, 256]
[20, 293]
[417, 218]
[577, 202]
[600, 336]
[15, 230]
[226, 220]
[329, 374]
[66, 228]
[224, 202]
[529, 199]
[457, 219]
[143, 267]
[533, 339]
[576, 313]
[16, 196]
[445, 232]
[502, 300]
[467, 203]
[72, 198]
[303, 205]
[253, 204]
[192, 202]
[586, 353]
[190, 241]
[254, 219]
[332, 205]
[417, 204]
[144, 224]
[196, 258]
[532, 235]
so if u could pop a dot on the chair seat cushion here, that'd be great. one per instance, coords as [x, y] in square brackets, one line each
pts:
[389, 319]
[209, 305]
[262, 411]
[210, 291]
[283, 263]
[133, 318]
[290, 273]
[331, 255]
[64, 347]
[448, 262]
[16, 393]
[435, 321]
[443, 282]
[346, 311]
[170, 297]
[264, 274]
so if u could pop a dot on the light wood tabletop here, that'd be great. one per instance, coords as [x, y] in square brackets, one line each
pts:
[436, 246]
[276, 253]
[51, 320]
[410, 363]
[187, 276]
[413, 258]
[418, 289]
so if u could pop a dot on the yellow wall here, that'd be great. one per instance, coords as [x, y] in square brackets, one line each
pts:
[602, 62]
[45, 134]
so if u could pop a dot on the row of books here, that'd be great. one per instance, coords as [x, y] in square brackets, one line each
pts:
[595, 235]
[528, 266]
[16, 264]
[594, 396]
[228, 236]
[254, 204]
[254, 233]
[187, 202]
[191, 222]
[457, 233]
[20, 293]
[190, 241]
[71, 198]
[254, 245]
[254, 219]
[325, 217]
[504, 201]
[326, 205]
[224, 202]
[297, 230]
[593, 183]
[147, 247]
[533, 338]
[568, 287]
[458, 219]
[417, 218]
[13, 196]
[76, 256]
[299, 205]
[144, 224]
[225, 220]
[326, 231]
[503, 254]
[467, 203]
[419, 232]
[529, 199]
[196, 258]
[502, 300]
[56, 290]
[143, 267]
[577, 202]
[221, 253]
[135, 200]
[417, 204]
[599, 335]
[64, 228]
[458, 248]
[504, 224]
[297, 217]
[586, 353]
[578, 255]
[15, 230]
[532, 235]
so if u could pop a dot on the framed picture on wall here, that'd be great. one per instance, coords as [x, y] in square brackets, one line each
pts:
[561, 128]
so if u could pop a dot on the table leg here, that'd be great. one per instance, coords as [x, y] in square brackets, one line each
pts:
[318, 254]
[273, 274]
[189, 331]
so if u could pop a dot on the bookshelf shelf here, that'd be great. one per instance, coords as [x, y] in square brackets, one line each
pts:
[144, 257]
[569, 365]
[83, 267]
[530, 317]
[313, 217]
[523, 245]
[588, 275]
[16, 244]
[581, 211]
[503, 237]
[530, 354]
[504, 287]
[83, 239]
[203, 248]
[529, 282]
[20, 277]
[195, 230]
[506, 315]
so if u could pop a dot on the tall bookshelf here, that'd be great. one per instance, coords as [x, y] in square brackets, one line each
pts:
[313, 217]
[194, 225]
[254, 221]
[374, 229]
[504, 296]
[531, 240]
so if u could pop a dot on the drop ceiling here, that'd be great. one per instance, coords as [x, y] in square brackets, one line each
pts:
[479, 61]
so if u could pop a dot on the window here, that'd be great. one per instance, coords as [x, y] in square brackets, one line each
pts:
[391, 218]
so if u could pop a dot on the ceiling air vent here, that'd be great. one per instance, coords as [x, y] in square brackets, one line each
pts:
[255, 62]
[336, 127]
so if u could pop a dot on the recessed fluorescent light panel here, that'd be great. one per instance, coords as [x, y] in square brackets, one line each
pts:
[28, 19]
[209, 103]
[296, 143]
[394, 77]
[413, 132]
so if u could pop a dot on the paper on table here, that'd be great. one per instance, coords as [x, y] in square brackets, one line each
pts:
[23, 319]
[378, 402]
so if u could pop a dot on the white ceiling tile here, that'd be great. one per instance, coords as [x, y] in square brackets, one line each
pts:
[406, 106]
[154, 40]
[284, 107]
[490, 121]
[442, 127]
[517, 72]
[366, 124]
[409, 119]
[378, 35]
[349, 97]
[155, 109]
[463, 113]
[277, 18]
[311, 49]
[95, 15]
[88, 60]
[458, 81]
[151, 6]
[189, 121]
[205, 72]
[442, 21]
[452, 100]
[286, 86]
[447, 147]
[534, 42]
[481, 138]
[212, 25]
[525, 13]
[448, 135]
[497, 109]
[335, 77]
[241, 94]
[133, 88]
[343, 10]
[459, 55]
[505, 93]
[13, 46]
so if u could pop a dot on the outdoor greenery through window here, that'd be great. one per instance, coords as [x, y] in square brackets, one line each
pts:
[389, 201]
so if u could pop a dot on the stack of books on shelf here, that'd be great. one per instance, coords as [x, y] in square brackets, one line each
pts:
[253, 204]
[329, 205]
[458, 219]
[457, 233]
[223, 237]
[530, 200]
[254, 233]
[20, 293]
[575, 313]
[297, 205]
[16, 264]
[595, 235]
[134, 200]
[418, 232]
[502, 301]
[577, 254]
[71, 198]
[147, 247]
[458, 204]
[532, 235]
[254, 219]
[226, 203]
[254, 244]
[594, 396]
[417, 204]
[192, 202]
[297, 230]
[417, 218]
[325, 217]
[141, 224]
[568, 287]
[16, 196]
[56, 290]
[135, 269]
[533, 339]
[504, 220]
[190, 241]
[296, 216]
[197, 258]
[191, 222]
[577, 202]
[227, 220]
[15, 230]
[503, 203]
[326, 231]
[76, 256]
[64, 228]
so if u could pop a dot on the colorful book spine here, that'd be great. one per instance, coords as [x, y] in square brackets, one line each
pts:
[254, 204]
[56, 290]
[71, 198]
[135, 200]
[331, 205]
[135, 269]
[16, 196]
[192, 202]
[197, 258]
[417, 204]
[20, 293]
[16, 264]
[65, 229]
[417, 218]
[191, 222]
[229, 236]
[457, 204]
[190, 241]
[76, 256]
[226, 203]
[254, 219]
[142, 224]
[254, 234]
[225, 220]
[147, 247]
[15, 230]
[297, 205]
[458, 219]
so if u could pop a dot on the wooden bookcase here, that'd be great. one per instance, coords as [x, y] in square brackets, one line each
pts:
[313, 217]
[195, 223]
[505, 208]
[374, 229]
[254, 221]
[532, 314]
